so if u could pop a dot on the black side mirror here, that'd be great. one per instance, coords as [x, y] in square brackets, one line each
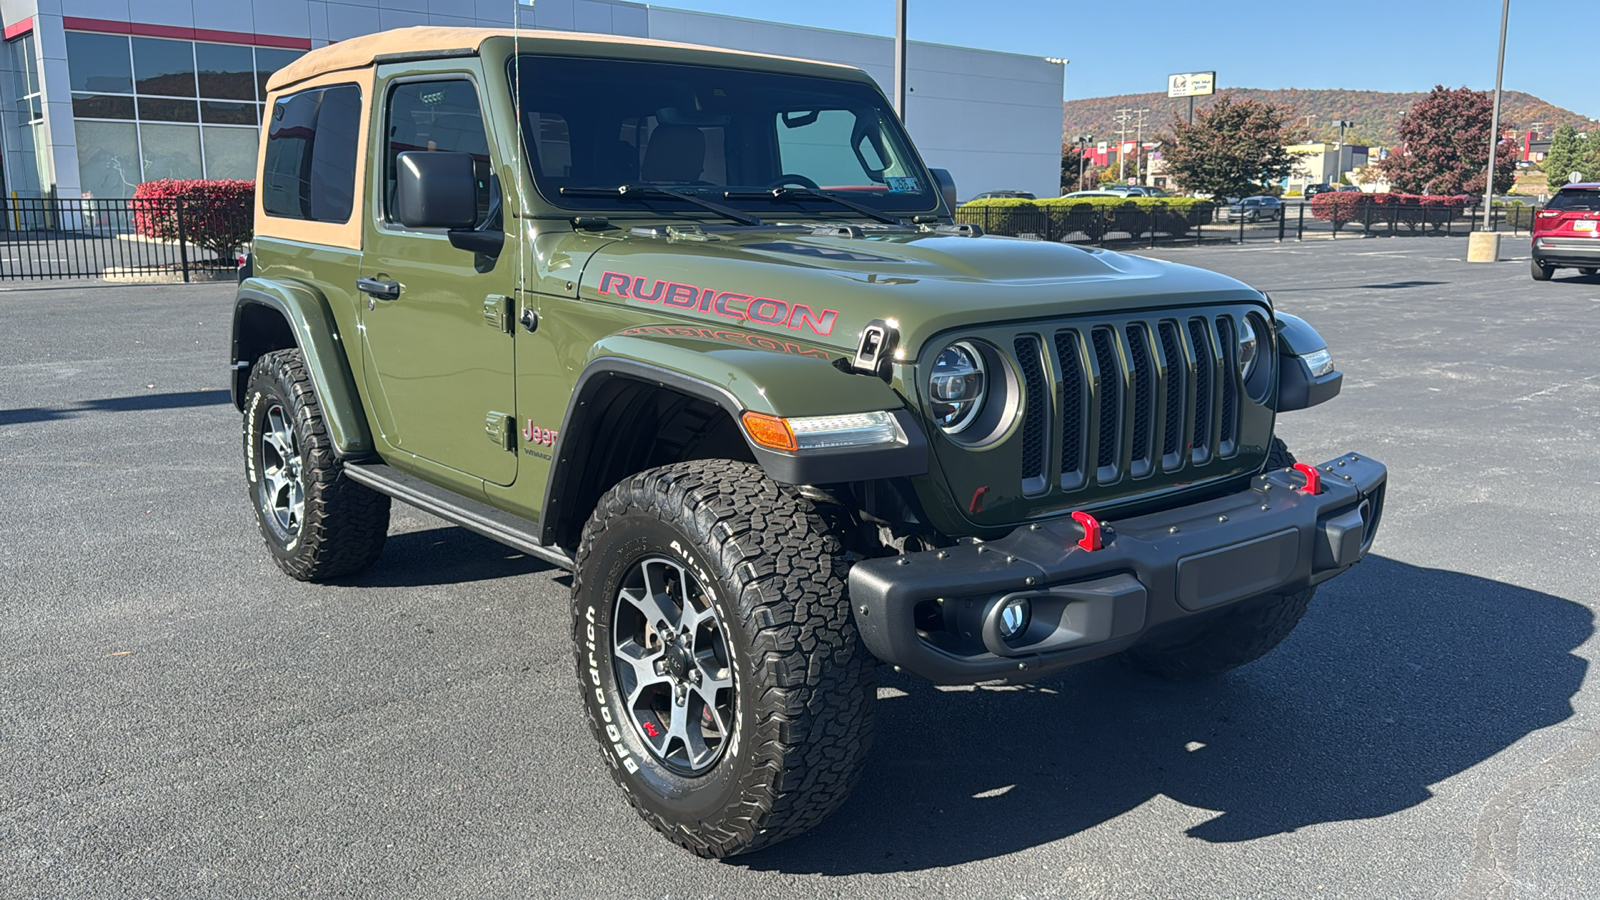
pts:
[947, 187]
[435, 189]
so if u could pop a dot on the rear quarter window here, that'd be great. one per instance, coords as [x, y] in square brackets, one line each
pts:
[310, 162]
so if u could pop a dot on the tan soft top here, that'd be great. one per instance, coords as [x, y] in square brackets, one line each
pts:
[423, 40]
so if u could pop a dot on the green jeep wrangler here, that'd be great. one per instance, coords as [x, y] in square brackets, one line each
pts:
[696, 325]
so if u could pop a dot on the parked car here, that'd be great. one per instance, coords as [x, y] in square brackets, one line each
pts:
[1349, 189]
[1254, 209]
[1566, 233]
[1093, 194]
[1005, 195]
[1136, 190]
[1314, 189]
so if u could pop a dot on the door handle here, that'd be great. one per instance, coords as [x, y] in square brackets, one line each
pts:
[378, 288]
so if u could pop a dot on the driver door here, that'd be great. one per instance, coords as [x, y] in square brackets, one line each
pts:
[440, 354]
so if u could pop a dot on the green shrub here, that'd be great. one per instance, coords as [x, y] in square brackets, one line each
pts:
[1093, 217]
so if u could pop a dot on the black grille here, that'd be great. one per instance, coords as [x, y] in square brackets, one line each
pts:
[1137, 399]
[1110, 403]
[1177, 397]
[1073, 399]
[1033, 425]
[1143, 396]
[1202, 389]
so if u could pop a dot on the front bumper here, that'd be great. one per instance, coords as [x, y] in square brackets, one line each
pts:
[937, 613]
[1567, 251]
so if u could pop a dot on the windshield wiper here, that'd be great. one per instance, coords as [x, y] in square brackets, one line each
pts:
[784, 193]
[639, 191]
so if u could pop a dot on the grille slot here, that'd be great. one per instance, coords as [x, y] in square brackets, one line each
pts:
[1035, 425]
[1110, 387]
[1204, 367]
[1074, 399]
[1229, 340]
[1144, 398]
[1172, 444]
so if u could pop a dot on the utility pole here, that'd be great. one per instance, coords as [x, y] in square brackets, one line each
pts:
[900, 59]
[1121, 118]
[1138, 148]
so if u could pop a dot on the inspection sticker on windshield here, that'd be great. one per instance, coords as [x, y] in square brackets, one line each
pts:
[903, 184]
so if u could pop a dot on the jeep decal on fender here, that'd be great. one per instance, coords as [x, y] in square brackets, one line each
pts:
[741, 307]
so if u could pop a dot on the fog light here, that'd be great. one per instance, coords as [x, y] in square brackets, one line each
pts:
[1014, 617]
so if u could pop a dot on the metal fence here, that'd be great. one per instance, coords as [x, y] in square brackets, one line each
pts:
[1155, 225]
[169, 239]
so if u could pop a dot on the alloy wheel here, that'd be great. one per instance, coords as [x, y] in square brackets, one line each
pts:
[674, 673]
[283, 494]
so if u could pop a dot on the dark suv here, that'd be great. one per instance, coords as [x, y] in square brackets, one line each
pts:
[1567, 231]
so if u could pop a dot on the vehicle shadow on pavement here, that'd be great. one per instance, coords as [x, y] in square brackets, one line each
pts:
[136, 403]
[1398, 678]
[443, 555]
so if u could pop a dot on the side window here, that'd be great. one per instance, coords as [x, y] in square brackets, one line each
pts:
[440, 115]
[310, 167]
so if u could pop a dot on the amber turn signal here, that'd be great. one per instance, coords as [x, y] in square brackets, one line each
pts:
[767, 431]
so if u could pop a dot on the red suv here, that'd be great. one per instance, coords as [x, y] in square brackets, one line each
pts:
[1567, 232]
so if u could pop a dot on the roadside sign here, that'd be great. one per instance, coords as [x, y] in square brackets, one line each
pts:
[1574, 177]
[1192, 84]
[1132, 180]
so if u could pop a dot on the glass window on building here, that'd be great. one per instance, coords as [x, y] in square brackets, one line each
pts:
[108, 158]
[26, 153]
[165, 108]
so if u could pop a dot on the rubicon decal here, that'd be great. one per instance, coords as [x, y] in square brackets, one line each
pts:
[733, 305]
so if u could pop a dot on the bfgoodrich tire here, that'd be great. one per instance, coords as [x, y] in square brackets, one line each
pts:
[1240, 634]
[720, 668]
[317, 523]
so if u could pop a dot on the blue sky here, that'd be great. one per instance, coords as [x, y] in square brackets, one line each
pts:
[1131, 46]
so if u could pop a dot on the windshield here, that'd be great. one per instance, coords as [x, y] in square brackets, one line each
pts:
[718, 134]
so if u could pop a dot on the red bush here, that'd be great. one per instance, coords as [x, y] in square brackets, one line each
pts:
[215, 215]
[1387, 210]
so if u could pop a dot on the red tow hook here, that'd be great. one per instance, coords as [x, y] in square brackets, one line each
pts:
[1091, 531]
[1313, 479]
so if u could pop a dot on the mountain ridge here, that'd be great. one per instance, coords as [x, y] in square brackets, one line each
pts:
[1376, 114]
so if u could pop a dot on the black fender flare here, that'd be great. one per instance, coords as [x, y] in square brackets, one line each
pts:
[827, 466]
[309, 323]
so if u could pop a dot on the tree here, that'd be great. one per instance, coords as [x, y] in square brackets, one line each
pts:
[1445, 146]
[1233, 149]
[1570, 153]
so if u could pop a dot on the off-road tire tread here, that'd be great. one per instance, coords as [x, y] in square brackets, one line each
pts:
[345, 523]
[1240, 635]
[815, 722]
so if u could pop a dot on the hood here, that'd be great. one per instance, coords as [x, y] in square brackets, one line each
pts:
[824, 289]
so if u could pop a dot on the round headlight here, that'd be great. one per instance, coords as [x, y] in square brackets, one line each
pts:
[956, 386]
[1248, 347]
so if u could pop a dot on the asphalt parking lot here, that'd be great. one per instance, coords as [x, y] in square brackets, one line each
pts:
[178, 719]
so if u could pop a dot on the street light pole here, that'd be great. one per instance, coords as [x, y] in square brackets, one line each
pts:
[900, 59]
[1494, 126]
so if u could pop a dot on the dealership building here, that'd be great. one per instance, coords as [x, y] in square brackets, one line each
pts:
[100, 95]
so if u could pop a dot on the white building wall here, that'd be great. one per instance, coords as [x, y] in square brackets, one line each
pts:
[993, 119]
